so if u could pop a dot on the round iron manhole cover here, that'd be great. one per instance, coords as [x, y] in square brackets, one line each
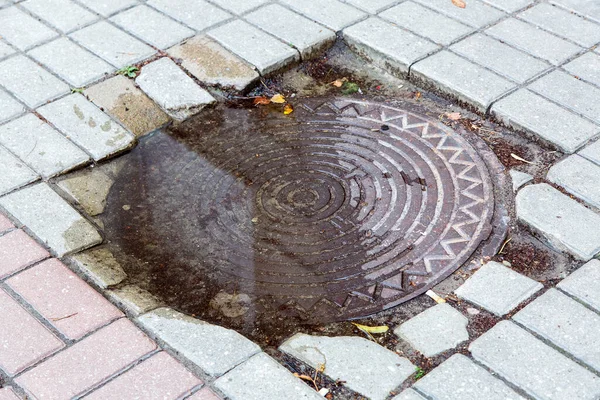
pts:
[341, 210]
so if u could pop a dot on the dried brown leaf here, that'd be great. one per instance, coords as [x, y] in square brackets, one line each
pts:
[454, 116]
[261, 100]
[459, 3]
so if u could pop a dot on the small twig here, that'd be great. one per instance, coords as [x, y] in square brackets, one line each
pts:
[504, 245]
[61, 318]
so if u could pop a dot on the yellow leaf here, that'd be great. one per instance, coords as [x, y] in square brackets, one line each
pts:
[279, 99]
[372, 329]
[288, 109]
[339, 82]
[459, 3]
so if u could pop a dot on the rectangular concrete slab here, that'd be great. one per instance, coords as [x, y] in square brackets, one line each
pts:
[260, 49]
[240, 7]
[526, 111]
[88, 126]
[64, 15]
[22, 30]
[562, 221]
[333, 14]
[5, 50]
[477, 14]
[18, 251]
[584, 284]
[409, 394]
[460, 78]
[587, 8]
[9, 107]
[371, 6]
[197, 14]
[509, 5]
[6, 393]
[578, 176]
[388, 46]
[5, 224]
[566, 323]
[108, 7]
[592, 152]
[533, 366]
[51, 219]
[15, 173]
[587, 67]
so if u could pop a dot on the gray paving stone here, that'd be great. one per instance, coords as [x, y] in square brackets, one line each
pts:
[197, 14]
[29, 82]
[112, 44]
[563, 23]
[44, 149]
[566, 224]
[588, 8]
[500, 57]
[51, 219]
[64, 15]
[584, 284]
[260, 49]
[9, 107]
[89, 188]
[435, 330]
[462, 79]
[100, 266]
[365, 366]
[305, 35]
[5, 50]
[533, 40]
[14, 172]
[579, 177]
[240, 7]
[592, 152]
[519, 179]
[84, 123]
[108, 7]
[371, 6]
[21, 30]
[426, 22]
[586, 66]
[529, 112]
[566, 323]
[212, 64]
[331, 13]
[142, 21]
[262, 378]
[497, 288]
[175, 92]
[459, 378]
[134, 300]
[570, 92]
[409, 394]
[71, 62]
[386, 45]
[476, 14]
[539, 370]
[214, 349]
[509, 5]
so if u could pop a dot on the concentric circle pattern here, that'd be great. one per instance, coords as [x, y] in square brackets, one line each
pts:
[342, 210]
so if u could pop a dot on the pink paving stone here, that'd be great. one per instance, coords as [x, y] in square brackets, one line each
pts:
[5, 225]
[88, 362]
[23, 340]
[8, 394]
[159, 377]
[60, 296]
[204, 394]
[17, 251]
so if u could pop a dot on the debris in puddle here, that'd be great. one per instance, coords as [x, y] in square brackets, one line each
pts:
[516, 157]
[438, 299]
[126, 207]
[288, 109]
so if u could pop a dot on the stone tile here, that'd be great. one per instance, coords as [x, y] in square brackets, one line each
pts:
[142, 21]
[72, 306]
[5, 50]
[159, 377]
[386, 45]
[364, 366]
[9, 107]
[197, 14]
[592, 152]
[435, 330]
[533, 40]
[133, 299]
[14, 172]
[570, 92]
[64, 15]
[562, 221]
[72, 63]
[108, 7]
[462, 79]
[526, 111]
[566, 323]
[260, 49]
[409, 394]
[43, 148]
[204, 394]
[425, 22]
[262, 378]
[579, 177]
[306, 36]
[6, 393]
[214, 349]
[112, 44]
[240, 7]
[371, 6]
[563, 23]
[509, 5]
[460, 378]
[89, 188]
[5, 224]
[331, 13]
[22, 30]
[477, 14]
[519, 179]
[586, 67]
[29, 82]
[534, 367]
[88, 362]
[100, 266]
[212, 64]
[23, 340]
[584, 284]
[51, 219]
[497, 288]
[175, 92]
[122, 100]
[84, 123]
[588, 8]
[500, 57]
[17, 251]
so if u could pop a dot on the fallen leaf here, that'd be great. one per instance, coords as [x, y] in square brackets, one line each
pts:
[339, 82]
[417, 95]
[438, 299]
[279, 99]
[516, 157]
[455, 116]
[254, 220]
[261, 100]
[459, 3]
[372, 329]
[288, 109]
